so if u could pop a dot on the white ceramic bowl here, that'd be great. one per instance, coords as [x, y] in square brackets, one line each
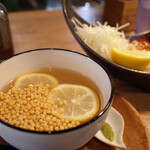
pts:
[61, 140]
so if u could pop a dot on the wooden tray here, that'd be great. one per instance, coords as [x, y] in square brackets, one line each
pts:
[136, 136]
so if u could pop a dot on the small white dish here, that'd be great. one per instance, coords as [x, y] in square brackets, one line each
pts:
[116, 121]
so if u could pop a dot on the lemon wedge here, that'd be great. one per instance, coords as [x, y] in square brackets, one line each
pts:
[35, 78]
[134, 59]
[75, 102]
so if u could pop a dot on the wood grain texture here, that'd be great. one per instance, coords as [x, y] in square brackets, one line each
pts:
[43, 29]
[136, 134]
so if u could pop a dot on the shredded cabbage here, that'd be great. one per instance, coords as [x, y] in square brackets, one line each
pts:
[101, 38]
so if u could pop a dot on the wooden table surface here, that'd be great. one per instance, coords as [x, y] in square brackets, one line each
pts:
[43, 29]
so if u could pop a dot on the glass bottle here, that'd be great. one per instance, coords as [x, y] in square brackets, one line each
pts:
[6, 47]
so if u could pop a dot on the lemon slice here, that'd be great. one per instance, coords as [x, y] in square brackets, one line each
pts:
[75, 102]
[35, 78]
[134, 59]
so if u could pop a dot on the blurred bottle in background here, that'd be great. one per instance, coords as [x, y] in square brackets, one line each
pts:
[6, 47]
[143, 16]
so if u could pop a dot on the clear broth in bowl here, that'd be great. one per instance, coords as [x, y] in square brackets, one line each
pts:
[64, 77]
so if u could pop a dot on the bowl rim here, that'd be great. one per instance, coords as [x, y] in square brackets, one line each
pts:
[75, 128]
